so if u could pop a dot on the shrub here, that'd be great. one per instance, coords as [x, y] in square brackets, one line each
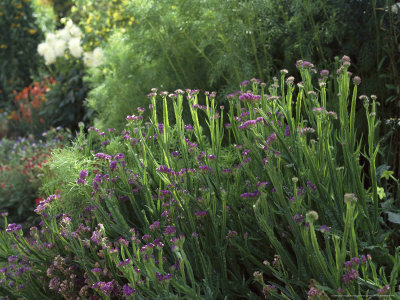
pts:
[19, 37]
[63, 52]
[26, 118]
[22, 164]
[166, 211]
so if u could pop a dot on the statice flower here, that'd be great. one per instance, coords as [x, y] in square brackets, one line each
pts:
[82, 177]
[254, 194]
[231, 234]
[127, 290]
[170, 230]
[249, 98]
[384, 290]
[13, 228]
[298, 218]
[350, 276]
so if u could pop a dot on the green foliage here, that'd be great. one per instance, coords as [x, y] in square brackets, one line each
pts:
[66, 97]
[19, 37]
[22, 164]
[98, 19]
[45, 16]
[170, 211]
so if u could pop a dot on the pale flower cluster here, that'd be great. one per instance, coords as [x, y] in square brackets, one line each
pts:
[69, 38]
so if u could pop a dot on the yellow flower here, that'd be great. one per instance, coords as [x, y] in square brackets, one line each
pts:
[19, 5]
[3, 46]
[32, 31]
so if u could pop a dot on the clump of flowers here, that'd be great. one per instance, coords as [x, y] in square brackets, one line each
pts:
[69, 38]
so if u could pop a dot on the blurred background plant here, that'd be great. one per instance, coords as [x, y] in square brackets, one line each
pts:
[64, 55]
[45, 16]
[26, 117]
[22, 164]
[19, 37]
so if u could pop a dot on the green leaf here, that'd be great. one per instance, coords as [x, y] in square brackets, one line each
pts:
[381, 193]
[387, 174]
[393, 217]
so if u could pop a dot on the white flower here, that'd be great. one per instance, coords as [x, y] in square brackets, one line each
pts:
[93, 59]
[50, 56]
[75, 31]
[63, 34]
[75, 48]
[98, 56]
[50, 38]
[88, 59]
[69, 23]
[59, 47]
[42, 48]
[395, 8]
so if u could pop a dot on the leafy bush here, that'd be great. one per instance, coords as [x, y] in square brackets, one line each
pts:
[162, 211]
[63, 52]
[22, 164]
[26, 118]
[99, 18]
[19, 37]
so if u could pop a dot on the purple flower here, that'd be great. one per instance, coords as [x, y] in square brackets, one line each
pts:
[146, 237]
[127, 290]
[313, 292]
[251, 195]
[384, 290]
[103, 156]
[350, 276]
[96, 270]
[206, 168]
[356, 260]
[155, 225]
[12, 258]
[244, 83]
[231, 233]
[325, 229]
[124, 263]
[249, 98]
[13, 228]
[298, 218]
[170, 230]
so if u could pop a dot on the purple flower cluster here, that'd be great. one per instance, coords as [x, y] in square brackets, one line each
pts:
[44, 203]
[165, 169]
[249, 98]
[206, 168]
[350, 276]
[133, 118]
[82, 177]
[160, 277]
[191, 145]
[303, 130]
[91, 128]
[106, 287]
[254, 194]
[13, 228]
[231, 234]
[103, 156]
[298, 218]
[127, 290]
[169, 230]
[384, 290]
[272, 137]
